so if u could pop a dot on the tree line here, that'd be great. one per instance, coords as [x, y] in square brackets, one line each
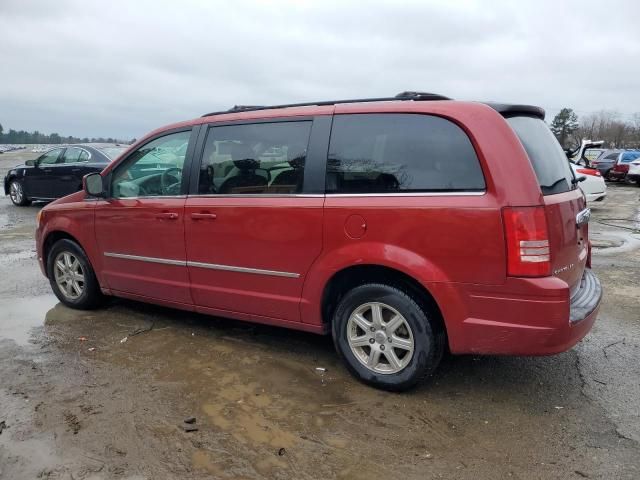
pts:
[21, 136]
[604, 125]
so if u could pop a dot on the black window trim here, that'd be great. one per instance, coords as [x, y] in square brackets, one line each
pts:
[423, 193]
[194, 129]
[315, 161]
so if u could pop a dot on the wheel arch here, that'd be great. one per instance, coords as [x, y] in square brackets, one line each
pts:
[350, 277]
[7, 184]
[51, 239]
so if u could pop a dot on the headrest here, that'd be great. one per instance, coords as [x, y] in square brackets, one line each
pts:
[243, 157]
[296, 156]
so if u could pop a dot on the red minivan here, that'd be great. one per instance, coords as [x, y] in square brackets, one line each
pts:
[402, 225]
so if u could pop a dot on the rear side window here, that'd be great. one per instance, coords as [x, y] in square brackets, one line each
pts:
[261, 158]
[72, 155]
[380, 153]
[545, 154]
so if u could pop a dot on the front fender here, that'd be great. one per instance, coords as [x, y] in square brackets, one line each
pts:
[75, 219]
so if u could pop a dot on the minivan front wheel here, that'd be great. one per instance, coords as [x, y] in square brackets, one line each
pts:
[71, 276]
[385, 338]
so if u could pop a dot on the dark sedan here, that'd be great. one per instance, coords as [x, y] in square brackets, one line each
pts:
[57, 172]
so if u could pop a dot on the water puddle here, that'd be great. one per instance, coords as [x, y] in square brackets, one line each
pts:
[609, 243]
[18, 316]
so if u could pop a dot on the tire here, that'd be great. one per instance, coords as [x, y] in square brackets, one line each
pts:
[17, 194]
[351, 338]
[63, 271]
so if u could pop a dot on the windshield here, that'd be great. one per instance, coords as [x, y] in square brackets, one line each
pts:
[112, 152]
[545, 154]
[629, 157]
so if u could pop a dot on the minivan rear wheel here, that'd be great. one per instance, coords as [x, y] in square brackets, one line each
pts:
[71, 276]
[385, 337]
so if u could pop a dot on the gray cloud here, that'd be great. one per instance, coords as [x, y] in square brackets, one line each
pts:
[122, 68]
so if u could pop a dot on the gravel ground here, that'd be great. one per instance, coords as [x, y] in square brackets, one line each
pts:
[78, 402]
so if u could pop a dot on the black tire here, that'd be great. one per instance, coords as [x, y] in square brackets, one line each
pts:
[21, 199]
[428, 340]
[91, 296]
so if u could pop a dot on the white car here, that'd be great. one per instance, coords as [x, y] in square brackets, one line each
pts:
[593, 185]
[634, 172]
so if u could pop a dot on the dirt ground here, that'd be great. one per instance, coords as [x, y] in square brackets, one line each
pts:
[83, 397]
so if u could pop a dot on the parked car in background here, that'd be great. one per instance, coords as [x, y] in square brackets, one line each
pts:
[57, 172]
[591, 182]
[587, 152]
[614, 164]
[393, 223]
[634, 171]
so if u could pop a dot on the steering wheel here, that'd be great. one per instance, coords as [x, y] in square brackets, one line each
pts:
[173, 187]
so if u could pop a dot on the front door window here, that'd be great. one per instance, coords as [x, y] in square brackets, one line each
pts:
[154, 170]
[50, 157]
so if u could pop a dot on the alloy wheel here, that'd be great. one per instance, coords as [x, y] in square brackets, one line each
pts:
[380, 338]
[15, 192]
[69, 275]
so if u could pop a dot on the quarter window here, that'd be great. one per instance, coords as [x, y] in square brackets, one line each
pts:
[155, 169]
[379, 153]
[84, 156]
[255, 158]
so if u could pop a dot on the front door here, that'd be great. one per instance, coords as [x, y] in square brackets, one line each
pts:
[140, 226]
[252, 231]
[67, 176]
[39, 179]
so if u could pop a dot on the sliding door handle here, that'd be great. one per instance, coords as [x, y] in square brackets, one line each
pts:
[167, 216]
[203, 216]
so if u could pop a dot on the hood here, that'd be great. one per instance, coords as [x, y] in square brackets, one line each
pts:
[74, 197]
[17, 167]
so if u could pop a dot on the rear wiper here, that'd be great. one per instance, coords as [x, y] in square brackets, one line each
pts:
[549, 188]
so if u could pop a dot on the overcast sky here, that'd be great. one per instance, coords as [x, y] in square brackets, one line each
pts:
[122, 68]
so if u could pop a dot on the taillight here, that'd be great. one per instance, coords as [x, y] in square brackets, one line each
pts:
[525, 230]
[589, 171]
[621, 167]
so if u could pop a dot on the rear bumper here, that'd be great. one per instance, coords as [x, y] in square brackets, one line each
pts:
[617, 175]
[524, 317]
[595, 197]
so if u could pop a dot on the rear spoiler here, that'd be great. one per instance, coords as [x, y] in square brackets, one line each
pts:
[509, 110]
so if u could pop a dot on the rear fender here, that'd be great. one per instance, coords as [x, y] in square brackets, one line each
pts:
[362, 253]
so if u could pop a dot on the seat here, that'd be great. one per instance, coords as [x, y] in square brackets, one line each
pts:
[294, 176]
[246, 180]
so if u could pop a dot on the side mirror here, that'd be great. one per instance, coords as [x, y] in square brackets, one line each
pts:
[31, 163]
[93, 186]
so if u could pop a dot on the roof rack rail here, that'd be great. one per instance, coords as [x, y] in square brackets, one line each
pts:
[415, 96]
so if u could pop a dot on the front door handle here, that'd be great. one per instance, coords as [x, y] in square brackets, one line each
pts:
[167, 216]
[203, 216]
[76, 169]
